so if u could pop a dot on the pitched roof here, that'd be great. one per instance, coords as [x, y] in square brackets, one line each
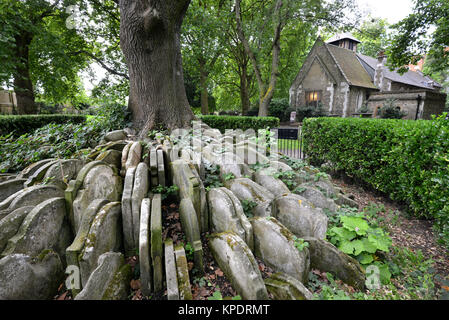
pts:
[413, 78]
[351, 67]
[340, 36]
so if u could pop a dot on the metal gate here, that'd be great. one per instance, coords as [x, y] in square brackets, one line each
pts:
[290, 142]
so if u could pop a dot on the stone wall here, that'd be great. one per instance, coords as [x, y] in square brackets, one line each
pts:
[431, 102]
[7, 102]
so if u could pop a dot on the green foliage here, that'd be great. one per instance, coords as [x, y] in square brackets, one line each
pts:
[300, 243]
[116, 116]
[189, 251]
[407, 160]
[373, 36]
[310, 112]
[280, 108]
[390, 110]
[18, 125]
[50, 141]
[218, 296]
[248, 206]
[212, 177]
[165, 191]
[240, 122]
[409, 42]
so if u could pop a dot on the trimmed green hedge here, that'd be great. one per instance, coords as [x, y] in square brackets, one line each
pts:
[408, 160]
[240, 122]
[19, 125]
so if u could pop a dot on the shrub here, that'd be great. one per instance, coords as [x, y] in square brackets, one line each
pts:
[310, 112]
[390, 110]
[280, 108]
[407, 160]
[20, 124]
[240, 122]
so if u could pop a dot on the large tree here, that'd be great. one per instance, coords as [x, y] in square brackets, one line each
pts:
[35, 47]
[261, 25]
[413, 37]
[150, 40]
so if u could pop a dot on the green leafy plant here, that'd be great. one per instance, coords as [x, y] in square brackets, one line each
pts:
[218, 296]
[357, 238]
[300, 243]
[248, 205]
[228, 176]
[189, 251]
[165, 191]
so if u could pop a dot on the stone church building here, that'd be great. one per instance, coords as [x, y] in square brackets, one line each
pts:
[342, 81]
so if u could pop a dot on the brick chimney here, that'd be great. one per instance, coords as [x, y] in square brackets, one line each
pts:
[379, 74]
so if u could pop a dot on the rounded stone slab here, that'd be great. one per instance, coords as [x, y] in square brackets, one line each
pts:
[32, 168]
[326, 257]
[125, 152]
[112, 157]
[285, 287]
[73, 251]
[109, 281]
[144, 248]
[28, 278]
[45, 227]
[239, 265]
[10, 187]
[139, 192]
[297, 214]
[39, 174]
[317, 198]
[226, 214]
[134, 155]
[105, 235]
[10, 224]
[191, 228]
[127, 215]
[115, 135]
[34, 195]
[272, 184]
[100, 182]
[63, 171]
[246, 189]
[275, 245]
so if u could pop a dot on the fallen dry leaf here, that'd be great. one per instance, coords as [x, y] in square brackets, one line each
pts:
[135, 284]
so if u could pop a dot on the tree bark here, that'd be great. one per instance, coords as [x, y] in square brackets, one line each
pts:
[266, 92]
[203, 84]
[23, 86]
[150, 40]
[244, 90]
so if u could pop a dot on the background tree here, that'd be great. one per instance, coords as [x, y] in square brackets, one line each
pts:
[202, 42]
[35, 45]
[373, 34]
[260, 26]
[412, 39]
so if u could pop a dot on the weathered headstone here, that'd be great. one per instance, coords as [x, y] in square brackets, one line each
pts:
[109, 281]
[326, 257]
[274, 185]
[160, 167]
[226, 214]
[61, 172]
[45, 227]
[127, 216]
[38, 175]
[115, 135]
[189, 223]
[134, 155]
[156, 242]
[185, 291]
[26, 278]
[10, 187]
[105, 235]
[170, 271]
[144, 248]
[298, 215]
[10, 224]
[284, 287]
[275, 245]
[32, 168]
[153, 167]
[239, 265]
[112, 157]
[140, 191]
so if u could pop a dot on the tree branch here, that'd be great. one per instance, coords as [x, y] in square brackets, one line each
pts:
[103, 65]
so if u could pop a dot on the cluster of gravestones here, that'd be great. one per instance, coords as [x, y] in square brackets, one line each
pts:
[83, 217]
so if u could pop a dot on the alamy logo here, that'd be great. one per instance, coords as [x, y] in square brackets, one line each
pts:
[372, 277]
[73, 281]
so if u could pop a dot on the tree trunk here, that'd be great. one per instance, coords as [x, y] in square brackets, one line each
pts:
[204, 94]
[150, 40]
[244, 90]
[23, 86]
